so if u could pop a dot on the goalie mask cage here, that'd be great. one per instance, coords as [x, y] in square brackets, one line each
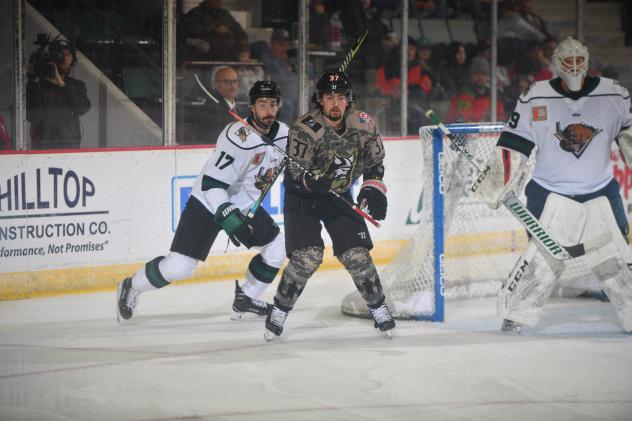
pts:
[462, 248]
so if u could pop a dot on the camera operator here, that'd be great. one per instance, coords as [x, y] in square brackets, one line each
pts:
[54, 99]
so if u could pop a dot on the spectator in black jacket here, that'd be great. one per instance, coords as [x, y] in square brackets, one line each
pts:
[216, 34]
[211, 118]
[55, 101]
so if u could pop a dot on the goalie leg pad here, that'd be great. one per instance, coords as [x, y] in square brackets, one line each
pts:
[360, 266]
[531, 281]
[529, 285]
[302, 265]
[611, 264]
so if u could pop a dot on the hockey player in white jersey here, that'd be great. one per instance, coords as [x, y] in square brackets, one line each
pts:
[229, 184]
[569, 122]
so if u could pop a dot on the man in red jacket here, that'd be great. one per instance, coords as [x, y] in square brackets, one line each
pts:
[473, 102]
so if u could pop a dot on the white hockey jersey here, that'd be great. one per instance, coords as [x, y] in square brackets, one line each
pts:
[573, 132]
[241, 158]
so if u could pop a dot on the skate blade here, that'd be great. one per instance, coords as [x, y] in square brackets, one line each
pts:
[116, 302]
[269, 336]
[238, 315]
[388, 334]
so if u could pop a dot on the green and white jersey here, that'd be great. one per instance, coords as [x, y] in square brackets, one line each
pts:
[572, 133]
[240, 166]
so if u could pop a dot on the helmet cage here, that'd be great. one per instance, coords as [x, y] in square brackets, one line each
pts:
[570, 60]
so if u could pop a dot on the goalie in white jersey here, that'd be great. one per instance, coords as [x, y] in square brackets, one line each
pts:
[569, 122]
[241, 167]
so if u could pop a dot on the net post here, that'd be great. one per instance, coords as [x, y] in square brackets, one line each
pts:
[438, 230]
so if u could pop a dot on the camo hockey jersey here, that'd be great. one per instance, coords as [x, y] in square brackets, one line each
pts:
[341, 158]
[240, 166]
[573, 132]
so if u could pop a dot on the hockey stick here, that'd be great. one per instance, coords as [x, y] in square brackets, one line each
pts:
[520, 211]
[294, 161]
[351, 54]
[343, 66]
[264, 192]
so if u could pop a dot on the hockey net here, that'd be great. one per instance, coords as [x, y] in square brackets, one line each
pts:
[462, 248]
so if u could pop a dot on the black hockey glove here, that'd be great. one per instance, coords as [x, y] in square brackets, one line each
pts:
[318, 186]
[373, 195]
[234, 223]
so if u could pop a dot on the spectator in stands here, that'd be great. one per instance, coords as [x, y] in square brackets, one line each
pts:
[454, 73]
[55, 100]
[282, 72]
[5, 139]
[549, 45]
[210, 120]
[519, 86]
[473, 103]
[525, 8]
[215, 34]
[511, 24]
[420, 86]
[484, 49]
[427, 8]
[534, 63]
[318, 25]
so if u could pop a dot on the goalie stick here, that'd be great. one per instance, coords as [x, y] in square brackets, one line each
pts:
[343, 66]
[520, 211]
[294, 161]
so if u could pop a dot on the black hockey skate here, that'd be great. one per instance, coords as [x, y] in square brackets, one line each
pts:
[274, 323]
[509, 326]
[383, 320]
[243, 304]
[126, 300]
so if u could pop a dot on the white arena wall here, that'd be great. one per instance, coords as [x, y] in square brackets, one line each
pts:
[82, 221]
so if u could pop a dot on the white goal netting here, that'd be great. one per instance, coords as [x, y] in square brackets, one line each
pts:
[480, 245]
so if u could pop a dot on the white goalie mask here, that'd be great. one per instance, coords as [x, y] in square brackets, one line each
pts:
[570, 59]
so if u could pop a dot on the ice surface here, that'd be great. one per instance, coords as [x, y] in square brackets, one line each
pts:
[182, 358]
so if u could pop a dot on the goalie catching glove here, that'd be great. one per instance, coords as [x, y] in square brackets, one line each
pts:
[373, 196]
[234, 224]
[505, 174]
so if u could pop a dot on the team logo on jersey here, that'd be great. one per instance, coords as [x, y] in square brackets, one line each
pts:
[576, 137]
[243, 133]
[364, 117]
[340, 169]
[266, 177]
[258, 159]
[311, 123]
[538, 113]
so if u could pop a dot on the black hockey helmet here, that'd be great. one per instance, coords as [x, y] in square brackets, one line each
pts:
[332, 82]
[264, 89]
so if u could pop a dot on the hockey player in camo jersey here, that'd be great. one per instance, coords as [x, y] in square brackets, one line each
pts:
[337, 145]
[230, 182]
[569, 122]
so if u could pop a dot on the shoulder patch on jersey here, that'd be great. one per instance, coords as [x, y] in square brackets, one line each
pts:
[576, 137]
[311, 123]
[364, 117]
[538, 113]
[243, 132]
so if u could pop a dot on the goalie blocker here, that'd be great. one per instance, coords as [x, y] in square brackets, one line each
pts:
[531, 281]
